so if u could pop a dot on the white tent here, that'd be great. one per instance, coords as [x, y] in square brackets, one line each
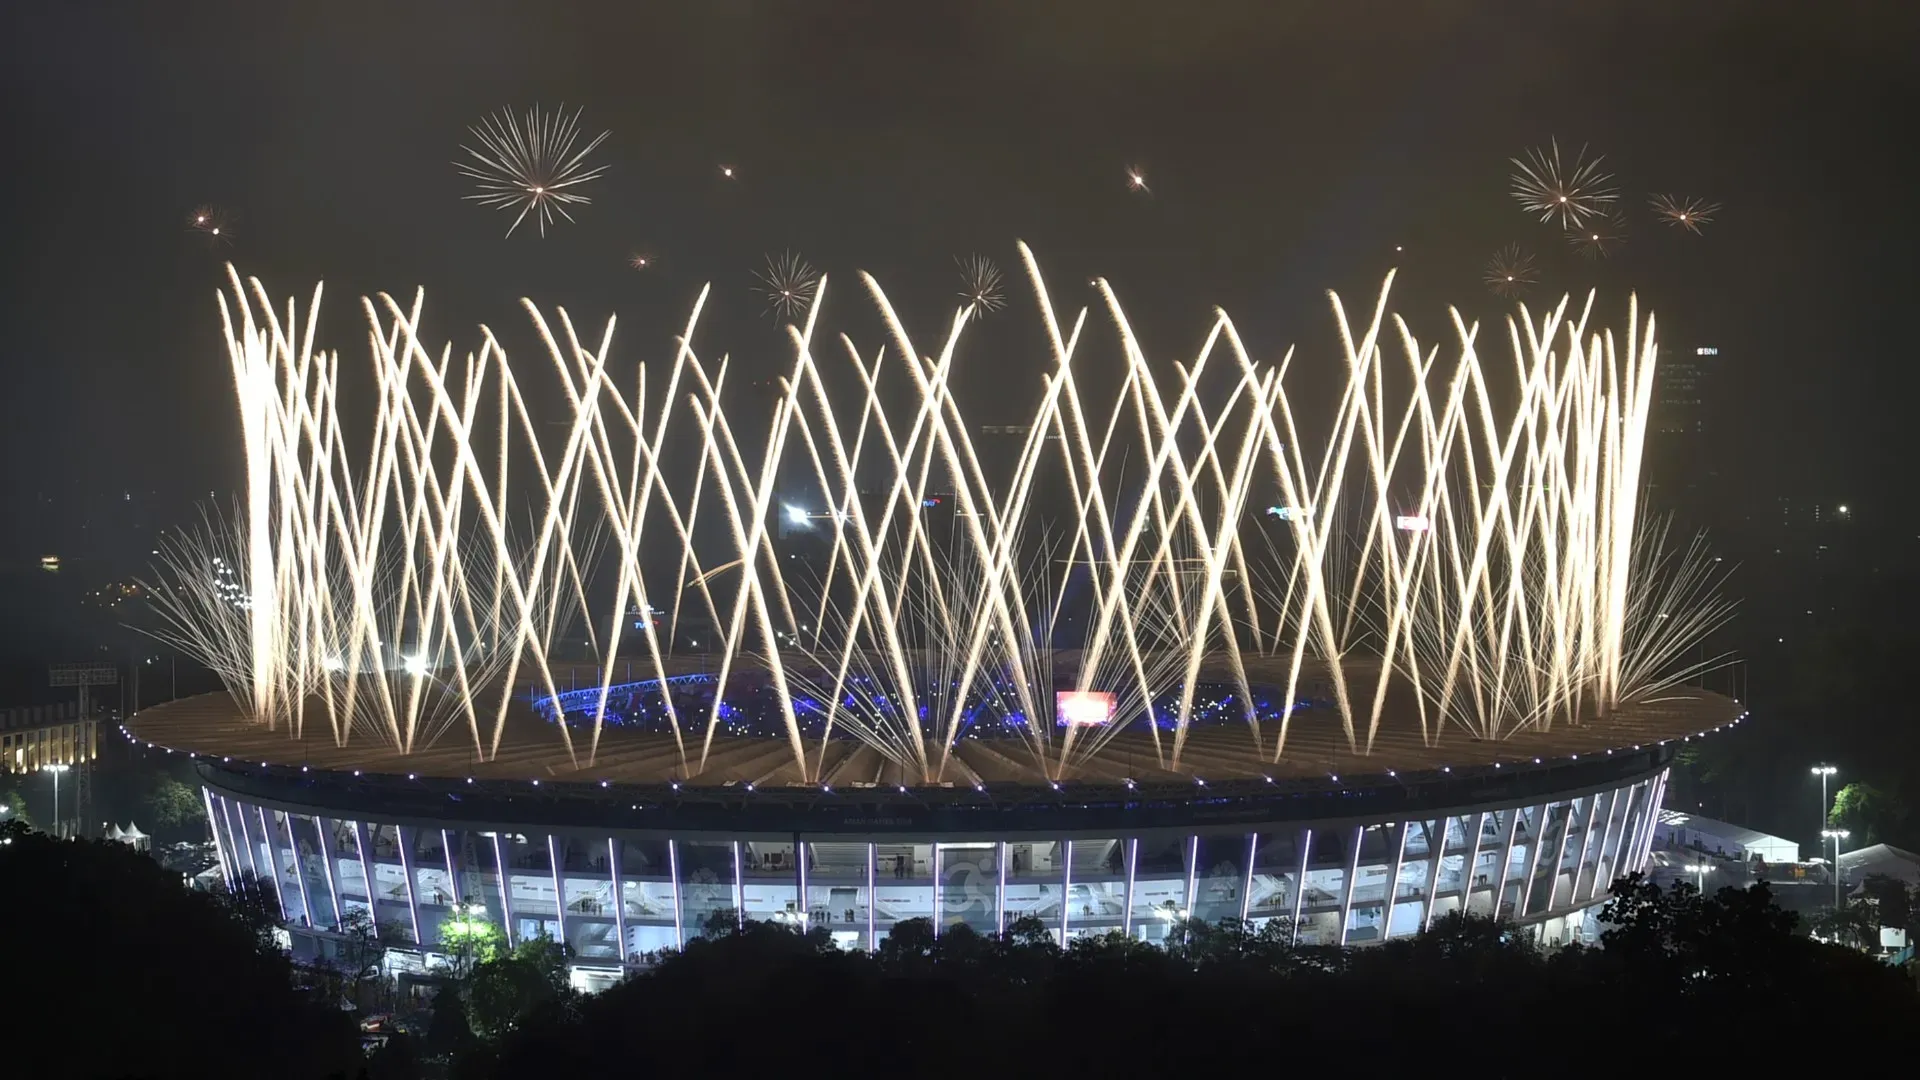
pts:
[1677, 829]
[132, 835]
[1884, 860]
[114, 833]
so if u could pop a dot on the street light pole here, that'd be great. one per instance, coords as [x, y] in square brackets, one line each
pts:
[1823, 771]
[56, 770]
[1835, 835]
[1700, 872]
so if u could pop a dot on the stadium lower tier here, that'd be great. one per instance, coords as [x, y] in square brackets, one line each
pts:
[616, 896]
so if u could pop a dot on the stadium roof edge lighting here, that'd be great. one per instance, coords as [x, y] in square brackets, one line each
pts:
[212, 725]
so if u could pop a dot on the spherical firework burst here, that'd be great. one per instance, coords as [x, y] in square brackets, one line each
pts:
[531, 164]
[1510, 271]
[1137, 180]
[980, 284]
[1599, 236]
[726, 172]
[1569, 194]
[640, 261]
[213, 223]
[1687, 213]
[787, 284]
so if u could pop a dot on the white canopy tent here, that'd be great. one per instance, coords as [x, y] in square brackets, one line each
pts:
[1678, 829]
[130, 836]
[1883, 860]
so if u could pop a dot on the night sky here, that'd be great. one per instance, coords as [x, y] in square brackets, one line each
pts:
[1290, 148]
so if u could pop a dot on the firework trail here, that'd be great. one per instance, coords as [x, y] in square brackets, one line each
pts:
[1600, 236]
[787, 285]
[1510, 272]
[530, 164]
[1686, 213]
[1566, 194]
[980, 284]
[213, 223]
[395, 593]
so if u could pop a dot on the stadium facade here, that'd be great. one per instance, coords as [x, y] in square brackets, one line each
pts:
[619, 871]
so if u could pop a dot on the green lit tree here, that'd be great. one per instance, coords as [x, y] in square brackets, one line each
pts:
[1870, 814]
[13, 804]
[469, 938]
[172, 804]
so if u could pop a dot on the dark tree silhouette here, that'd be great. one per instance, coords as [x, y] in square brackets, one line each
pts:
[119, 970]
[192, 985]
[958, 1003]
[501, 992]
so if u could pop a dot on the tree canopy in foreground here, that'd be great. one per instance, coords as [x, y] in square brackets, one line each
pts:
[120, 971]
[1676, 967]
[117, 969]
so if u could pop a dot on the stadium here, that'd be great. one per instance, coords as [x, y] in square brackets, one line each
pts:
[842, 660]
[624, 861]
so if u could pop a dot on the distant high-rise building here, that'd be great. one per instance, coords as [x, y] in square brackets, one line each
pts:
[1680, 391]
[1801, 514]
[1683, 466]
[1813, 527]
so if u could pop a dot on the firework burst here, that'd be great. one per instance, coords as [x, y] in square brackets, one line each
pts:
[1687, 213]
[1137, 180]
[1510, 271]
[1599, 237]
[1557, 191]
[530, 164]
[213, 223]
[1527, 594]
[980, 284]
[641, 261]
[787, 285]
